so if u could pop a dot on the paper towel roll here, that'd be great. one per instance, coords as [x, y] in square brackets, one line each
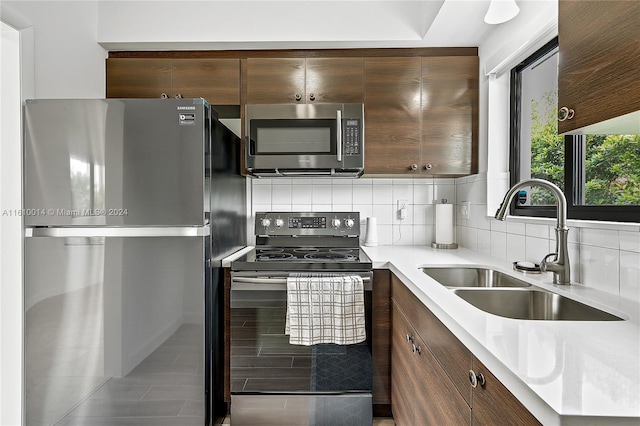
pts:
[444, 223]
[371, 236]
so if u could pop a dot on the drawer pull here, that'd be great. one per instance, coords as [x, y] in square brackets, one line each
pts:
[476, 379]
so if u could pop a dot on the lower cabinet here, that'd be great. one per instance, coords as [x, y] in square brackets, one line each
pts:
[421, 392]
[435, 379]
[493, 403]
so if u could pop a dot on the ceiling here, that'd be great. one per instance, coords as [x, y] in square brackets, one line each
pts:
[246, 24]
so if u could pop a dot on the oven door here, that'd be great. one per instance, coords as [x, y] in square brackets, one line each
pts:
[275, 382]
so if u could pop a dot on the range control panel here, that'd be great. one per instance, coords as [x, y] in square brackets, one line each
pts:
[308, 223]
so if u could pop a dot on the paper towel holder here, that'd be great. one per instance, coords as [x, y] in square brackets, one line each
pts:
[444, 246]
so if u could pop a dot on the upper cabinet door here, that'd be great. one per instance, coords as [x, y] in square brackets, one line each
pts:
[216, 80]
[392, 115]
[275, 80]
[599, 43]
[449, 115]
[335, 80]
[138, 78]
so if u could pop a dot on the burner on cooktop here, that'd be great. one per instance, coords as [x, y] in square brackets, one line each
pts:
[270, 250]
[341, 250]
[325, 255]
[274, 256]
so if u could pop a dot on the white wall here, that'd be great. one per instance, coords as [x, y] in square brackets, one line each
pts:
[10, 229]
[68, 62]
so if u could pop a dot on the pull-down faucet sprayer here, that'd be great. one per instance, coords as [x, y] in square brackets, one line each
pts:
[560, 263]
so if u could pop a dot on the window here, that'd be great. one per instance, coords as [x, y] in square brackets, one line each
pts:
[599, 174]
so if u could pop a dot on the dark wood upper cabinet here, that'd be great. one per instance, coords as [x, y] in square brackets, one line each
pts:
[138, 78]
[421, 116]
[392, 114]
[304, 80]
[275, 80]
[421, 105]
[335, 80]
[449, 115]
[599, 44]
[216, 80]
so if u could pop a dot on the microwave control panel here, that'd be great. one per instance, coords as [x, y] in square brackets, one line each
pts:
[352, 136]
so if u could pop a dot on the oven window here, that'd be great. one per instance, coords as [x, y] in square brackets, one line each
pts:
[275, 137]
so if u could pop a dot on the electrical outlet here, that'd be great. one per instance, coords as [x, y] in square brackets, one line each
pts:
[465, 209]
[402, 204]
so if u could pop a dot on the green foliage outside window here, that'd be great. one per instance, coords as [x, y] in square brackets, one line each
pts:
[612, 170]
[612, 162]
[547, 147]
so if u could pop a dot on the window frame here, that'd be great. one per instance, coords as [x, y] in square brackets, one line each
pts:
[573, 168]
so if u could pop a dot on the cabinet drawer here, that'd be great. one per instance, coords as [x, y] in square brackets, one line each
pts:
[453, 356]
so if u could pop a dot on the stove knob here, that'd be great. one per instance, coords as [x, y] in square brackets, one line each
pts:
[279, 223]
[266, 222]
[335, 223]
[349, 223]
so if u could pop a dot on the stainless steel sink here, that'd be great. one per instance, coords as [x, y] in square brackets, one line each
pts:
[471, 276]
[532, 304]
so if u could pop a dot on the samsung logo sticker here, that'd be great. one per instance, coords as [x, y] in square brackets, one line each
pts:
[186, 108]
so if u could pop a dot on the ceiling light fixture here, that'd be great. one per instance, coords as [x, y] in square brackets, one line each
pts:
[501, 11]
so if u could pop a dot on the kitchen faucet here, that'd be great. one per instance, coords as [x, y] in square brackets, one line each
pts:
[560, 263]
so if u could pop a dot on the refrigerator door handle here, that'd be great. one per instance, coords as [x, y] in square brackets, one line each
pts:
[105, 231]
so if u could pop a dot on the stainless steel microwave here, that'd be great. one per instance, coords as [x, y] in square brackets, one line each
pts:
[304, 140]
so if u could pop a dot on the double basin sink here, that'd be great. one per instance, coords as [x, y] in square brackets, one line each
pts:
[504, 295]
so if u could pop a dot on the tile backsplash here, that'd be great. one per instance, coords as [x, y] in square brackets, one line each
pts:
[601, 257]
[370, 197]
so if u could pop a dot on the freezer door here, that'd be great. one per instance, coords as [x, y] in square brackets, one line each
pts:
[133, 162]
[114, 330]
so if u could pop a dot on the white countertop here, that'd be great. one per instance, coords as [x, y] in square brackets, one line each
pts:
[226, 262]
[564, 372]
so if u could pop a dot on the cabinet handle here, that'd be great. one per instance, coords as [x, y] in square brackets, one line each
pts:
[476, 379]
[312, 97]
[178, 96]
[414, 166]
[164, 96]
[416, 349]
[428, 166]
[565, 113]
[409, 338]
[298, 96]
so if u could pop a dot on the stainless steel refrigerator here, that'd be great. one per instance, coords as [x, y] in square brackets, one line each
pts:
[129, 206]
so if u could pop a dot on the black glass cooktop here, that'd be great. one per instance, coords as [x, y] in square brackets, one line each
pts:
[303, 258]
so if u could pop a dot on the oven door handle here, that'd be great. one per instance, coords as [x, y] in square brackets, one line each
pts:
[252, 280]
[266, 283]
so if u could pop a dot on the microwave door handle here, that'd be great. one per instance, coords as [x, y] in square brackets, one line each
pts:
[339, 134]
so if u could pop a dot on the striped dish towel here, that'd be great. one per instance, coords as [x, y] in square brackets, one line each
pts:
[325, 308]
